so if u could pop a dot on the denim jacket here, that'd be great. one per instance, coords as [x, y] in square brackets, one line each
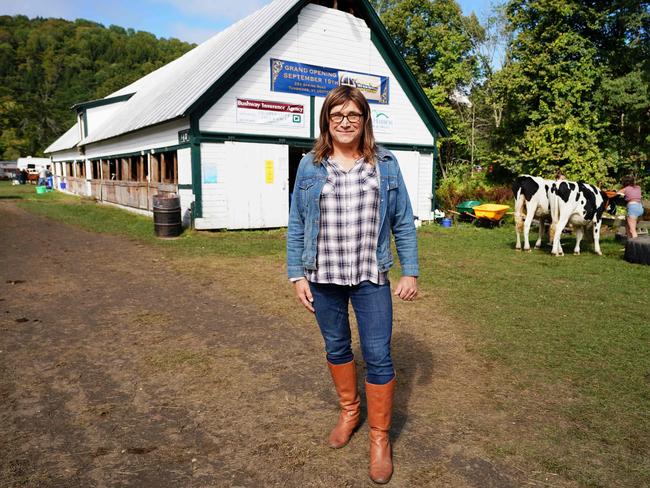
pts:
[395, 213]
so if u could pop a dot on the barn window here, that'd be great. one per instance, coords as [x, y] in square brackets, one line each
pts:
[138, 168]
[112, 169]
[81, 169]
[164, 167]
[124, 169]
[96, 167]
[134, 163]
[171, 167]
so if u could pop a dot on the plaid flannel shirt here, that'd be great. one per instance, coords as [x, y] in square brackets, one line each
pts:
[349, 226]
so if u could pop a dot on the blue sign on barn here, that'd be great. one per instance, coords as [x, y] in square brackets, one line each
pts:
[310, 80]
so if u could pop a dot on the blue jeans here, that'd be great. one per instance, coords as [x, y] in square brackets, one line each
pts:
[373, 308]
[635, 210]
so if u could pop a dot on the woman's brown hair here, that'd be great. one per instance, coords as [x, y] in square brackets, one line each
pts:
[628, 180]
[339, 96]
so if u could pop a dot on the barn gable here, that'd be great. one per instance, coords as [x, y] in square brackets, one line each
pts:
[318, 38]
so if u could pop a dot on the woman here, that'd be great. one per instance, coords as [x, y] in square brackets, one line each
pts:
[632, 194]
[348, 196]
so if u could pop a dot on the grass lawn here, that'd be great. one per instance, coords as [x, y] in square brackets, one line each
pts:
[84, 212]
[575, 333]
[569, 337]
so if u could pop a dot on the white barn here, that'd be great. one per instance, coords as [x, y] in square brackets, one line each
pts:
[225, 125]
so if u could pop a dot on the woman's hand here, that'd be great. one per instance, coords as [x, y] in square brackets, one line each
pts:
[407, 288]
[303, 294]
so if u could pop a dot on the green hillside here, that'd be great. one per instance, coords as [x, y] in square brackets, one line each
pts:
[48, 65]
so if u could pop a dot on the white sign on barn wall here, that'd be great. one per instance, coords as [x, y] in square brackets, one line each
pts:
[382, 122]
[270, 113]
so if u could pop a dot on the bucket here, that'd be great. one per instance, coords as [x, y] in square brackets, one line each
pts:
[40, 189]
[62, 185]
[167, 215]
[446, 223]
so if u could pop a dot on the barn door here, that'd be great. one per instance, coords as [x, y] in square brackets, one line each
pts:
[258, 185]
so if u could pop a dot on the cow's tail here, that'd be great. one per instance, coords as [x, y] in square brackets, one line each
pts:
[520, 204]
[554, 210]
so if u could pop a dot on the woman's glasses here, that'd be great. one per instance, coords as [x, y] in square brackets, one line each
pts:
[352, 117]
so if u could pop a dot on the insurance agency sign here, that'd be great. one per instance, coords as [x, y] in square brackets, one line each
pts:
[310, 80]
[269, 112]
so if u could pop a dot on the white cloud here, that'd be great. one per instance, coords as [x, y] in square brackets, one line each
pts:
[219, 10]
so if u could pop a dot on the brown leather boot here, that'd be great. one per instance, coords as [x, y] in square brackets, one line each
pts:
[345, 381]
[380, 410]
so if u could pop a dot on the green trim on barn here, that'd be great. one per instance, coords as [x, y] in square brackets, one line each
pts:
[185, 186]
[102, 101]
[436, 157]
[195, 152]
[396, 146]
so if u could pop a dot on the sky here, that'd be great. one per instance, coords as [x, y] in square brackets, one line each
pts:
[187, 20]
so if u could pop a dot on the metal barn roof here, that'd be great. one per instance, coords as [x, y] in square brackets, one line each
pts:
[169, 91]
[67, 141]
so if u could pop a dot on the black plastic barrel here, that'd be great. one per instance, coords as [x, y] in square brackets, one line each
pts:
[638, 250]
[167, 215]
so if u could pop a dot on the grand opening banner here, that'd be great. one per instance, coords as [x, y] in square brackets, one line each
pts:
[310, 80]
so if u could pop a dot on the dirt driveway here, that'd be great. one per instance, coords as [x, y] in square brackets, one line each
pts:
[123, 367]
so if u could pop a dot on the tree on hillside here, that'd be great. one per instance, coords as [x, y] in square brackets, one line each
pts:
[48, 65]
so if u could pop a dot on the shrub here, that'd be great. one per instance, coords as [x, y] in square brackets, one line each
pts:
[463, 182]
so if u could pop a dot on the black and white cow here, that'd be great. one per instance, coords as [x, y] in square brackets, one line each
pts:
[580, 204]
[531, 201]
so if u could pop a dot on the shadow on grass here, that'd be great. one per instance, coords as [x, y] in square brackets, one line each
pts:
[11, 197]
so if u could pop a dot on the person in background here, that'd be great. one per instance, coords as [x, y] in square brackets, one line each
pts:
[632, 193]
[23, 176]
[42, 177]
[348, 196]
